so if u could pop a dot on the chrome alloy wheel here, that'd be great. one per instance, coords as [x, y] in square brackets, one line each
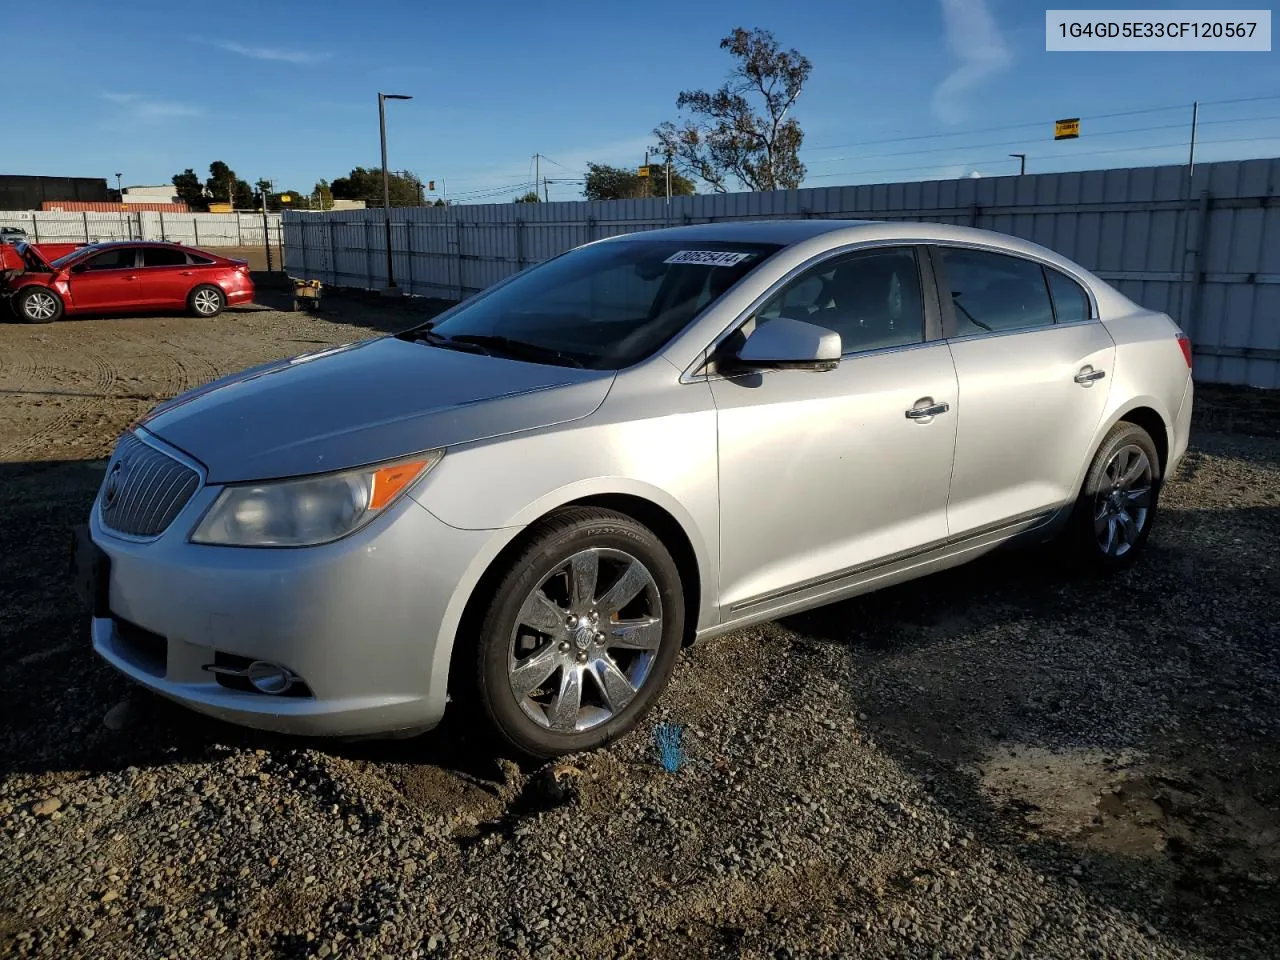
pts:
[585, 640]
[1123, 501]
[207, 302]
[39, 305]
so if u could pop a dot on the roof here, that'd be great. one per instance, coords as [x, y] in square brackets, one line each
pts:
[794, 231]
[750, 231]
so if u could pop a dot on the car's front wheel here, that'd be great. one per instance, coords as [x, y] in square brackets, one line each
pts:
[1112, 520]
[37, 305]
[582, 634]
[206, 300]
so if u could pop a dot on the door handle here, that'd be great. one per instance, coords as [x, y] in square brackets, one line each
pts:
[129, 278]
[188, 273]
[927, 412]
[1088, 375]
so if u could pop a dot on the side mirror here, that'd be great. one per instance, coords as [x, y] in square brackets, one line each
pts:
[785, 344]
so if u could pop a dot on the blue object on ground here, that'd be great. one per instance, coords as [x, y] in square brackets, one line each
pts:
[668, 737]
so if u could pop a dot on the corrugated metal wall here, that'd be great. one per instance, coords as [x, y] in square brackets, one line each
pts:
[1205, 249]
[195, 229]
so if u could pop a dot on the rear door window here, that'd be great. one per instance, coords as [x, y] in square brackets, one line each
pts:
[993, 292]
[163, 257]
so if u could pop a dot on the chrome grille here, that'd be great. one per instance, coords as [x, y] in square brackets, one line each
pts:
[144, 489]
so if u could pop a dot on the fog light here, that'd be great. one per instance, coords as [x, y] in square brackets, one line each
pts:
[269, 677]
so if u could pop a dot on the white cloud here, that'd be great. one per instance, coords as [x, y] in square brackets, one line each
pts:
[973, 36]
[149, 109]
[279, 54]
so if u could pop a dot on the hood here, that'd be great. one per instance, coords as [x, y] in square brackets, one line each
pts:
[364, 402]
[33, 258]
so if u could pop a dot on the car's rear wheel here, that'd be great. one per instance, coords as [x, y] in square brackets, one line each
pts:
[582, 635]
[1113, 517]
[206, 300]
[37, 305]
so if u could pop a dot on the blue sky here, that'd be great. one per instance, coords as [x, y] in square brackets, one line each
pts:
[288, 90]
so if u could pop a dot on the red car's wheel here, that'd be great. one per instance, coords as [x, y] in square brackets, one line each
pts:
[37, 305]
[206, 300]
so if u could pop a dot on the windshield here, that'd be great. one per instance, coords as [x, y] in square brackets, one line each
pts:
[604, 306]
[66, 258]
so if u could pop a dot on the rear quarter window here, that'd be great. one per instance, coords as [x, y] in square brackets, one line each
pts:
[1070, 302]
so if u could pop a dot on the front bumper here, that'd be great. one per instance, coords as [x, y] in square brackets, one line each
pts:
[357, 621]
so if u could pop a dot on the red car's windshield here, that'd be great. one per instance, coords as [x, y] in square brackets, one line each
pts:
[66, 258]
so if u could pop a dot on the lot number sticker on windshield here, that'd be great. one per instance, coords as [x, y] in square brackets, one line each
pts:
[710, 258]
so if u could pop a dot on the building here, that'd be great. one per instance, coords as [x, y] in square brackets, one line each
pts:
[20, 192]
[162, 193]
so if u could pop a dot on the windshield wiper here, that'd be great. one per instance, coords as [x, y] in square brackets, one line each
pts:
[518, 349]
[434, 339]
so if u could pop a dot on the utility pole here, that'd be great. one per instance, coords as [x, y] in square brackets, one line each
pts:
[264, 189]
[537, 172]
[1022, 165]
[391, 289]
[668, 178]
[645, 178]
[1195, 118]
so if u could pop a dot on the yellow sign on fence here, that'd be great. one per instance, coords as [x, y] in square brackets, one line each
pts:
[1066, 129]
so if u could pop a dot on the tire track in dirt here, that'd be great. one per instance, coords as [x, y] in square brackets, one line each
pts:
[103, 373]
[16, 365]
[197, 369]
[26, 366]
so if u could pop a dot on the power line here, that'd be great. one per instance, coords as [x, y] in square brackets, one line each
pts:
[1042, 140]
[1091, 153]
[1036, 123]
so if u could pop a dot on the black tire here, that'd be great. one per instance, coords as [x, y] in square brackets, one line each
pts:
[206, 294]
[31, 305]
[1091, 521]
[548, 550]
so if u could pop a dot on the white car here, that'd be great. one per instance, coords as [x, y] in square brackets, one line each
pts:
[529, 504]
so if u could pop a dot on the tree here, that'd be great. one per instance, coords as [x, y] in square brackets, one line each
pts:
[605, 182]
[323, 195]
[365, 184]
[243, 195]
[725, 137]
[221, 184]
[189, 190]
[530, 197]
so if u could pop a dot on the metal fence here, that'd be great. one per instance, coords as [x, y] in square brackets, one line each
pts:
[1203, 248]
[195, 229]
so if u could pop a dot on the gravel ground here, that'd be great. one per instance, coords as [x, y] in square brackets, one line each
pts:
[1007, 759]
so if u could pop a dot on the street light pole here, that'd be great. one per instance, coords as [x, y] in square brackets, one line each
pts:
[391, 289]
[1022, 162]
[120, 197]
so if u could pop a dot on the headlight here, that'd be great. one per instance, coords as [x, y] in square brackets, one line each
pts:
[309, 510]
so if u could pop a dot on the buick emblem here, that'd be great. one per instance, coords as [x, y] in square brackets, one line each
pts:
[114, 478]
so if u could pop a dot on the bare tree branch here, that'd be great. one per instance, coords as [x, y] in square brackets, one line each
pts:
[725, 138]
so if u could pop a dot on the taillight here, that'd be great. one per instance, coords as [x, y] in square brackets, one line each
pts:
[1185, 344]
[243, 268]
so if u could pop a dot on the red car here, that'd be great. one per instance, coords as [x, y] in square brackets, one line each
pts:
[124, 276]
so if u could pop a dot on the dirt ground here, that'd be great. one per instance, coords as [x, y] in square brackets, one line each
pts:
[1007, 759]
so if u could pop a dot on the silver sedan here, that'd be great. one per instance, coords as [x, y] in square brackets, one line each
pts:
[527, 506]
